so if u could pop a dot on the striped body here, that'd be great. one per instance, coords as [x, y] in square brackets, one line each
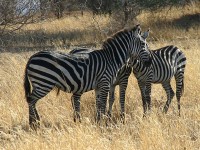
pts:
[121, 80]
[79, 73]
[66, 72]
[167, 62]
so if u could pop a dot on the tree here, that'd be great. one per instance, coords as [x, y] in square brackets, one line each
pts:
[100, 6]
[16, 13]
[58, 7]
[45, 6]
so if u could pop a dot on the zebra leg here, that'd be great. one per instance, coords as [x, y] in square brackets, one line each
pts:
[101, 99]
[111, 100]
[34, 119]
[148, 95]
[98, 104]
[122, 101]
[144, 101]
[76, 106]
[37, 93]
[170, 94]
[179, 89]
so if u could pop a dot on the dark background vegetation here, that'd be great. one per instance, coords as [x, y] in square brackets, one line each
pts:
[14, 14]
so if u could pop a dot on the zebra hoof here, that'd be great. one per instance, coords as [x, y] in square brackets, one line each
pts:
[34, 125]
[122, 116]
[165, 109]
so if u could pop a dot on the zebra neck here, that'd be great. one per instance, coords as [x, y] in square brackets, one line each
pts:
[116, 57]
[138, 66]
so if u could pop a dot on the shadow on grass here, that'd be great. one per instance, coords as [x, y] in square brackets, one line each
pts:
[187, 21]
[40, 40]
[35, 40]
[184, 22]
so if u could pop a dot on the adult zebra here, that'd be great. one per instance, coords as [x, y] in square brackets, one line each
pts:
[80, 73]
[167, 62]
[121, 80]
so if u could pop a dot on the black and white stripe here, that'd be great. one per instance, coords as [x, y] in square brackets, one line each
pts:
[80, 73]
[167, 62]
[121, 80]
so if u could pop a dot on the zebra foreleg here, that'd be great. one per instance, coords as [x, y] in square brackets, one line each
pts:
[170, 94]
[111, 100]
[144, 100]
[101, 100]
[98, 105]
[148, 95]
[76, 106]
[122, 101]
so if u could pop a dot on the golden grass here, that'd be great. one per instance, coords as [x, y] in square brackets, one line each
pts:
[58, 131]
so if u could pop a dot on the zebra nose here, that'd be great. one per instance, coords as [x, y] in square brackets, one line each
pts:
[148, 63]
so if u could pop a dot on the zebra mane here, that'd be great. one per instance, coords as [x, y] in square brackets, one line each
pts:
[112, 38]
[118, 33]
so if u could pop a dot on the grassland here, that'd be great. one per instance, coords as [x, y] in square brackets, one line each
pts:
[58, 131]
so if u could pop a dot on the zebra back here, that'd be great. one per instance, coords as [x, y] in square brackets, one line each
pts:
[166, 62]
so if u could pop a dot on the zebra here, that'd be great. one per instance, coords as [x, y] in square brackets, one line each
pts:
[121, 80]
[167, 62]
[77, 74]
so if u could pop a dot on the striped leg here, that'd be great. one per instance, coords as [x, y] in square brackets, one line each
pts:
[111, 100]
[122, 101]
[76, 106]
[37, 93]
[98, 104]
[179, 89]
[101, 100]
[144, 102]
[34, 119]
[170, 94]
[148, 95]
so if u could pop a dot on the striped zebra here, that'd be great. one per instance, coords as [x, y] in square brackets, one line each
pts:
[167, 62]
[81, 73]
[121, 80]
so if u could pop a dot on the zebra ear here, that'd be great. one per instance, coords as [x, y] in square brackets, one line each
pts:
[145, 34]
[137, 29]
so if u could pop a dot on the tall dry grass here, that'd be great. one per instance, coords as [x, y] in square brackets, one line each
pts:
[58, 131]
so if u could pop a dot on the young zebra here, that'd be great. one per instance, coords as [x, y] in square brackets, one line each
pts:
[81, 73]
[167, 62]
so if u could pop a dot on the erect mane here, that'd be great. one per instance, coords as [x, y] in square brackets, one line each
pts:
[111, 38]
[119, 33]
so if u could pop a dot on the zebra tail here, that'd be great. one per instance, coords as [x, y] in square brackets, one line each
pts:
[27, 87]
[58, 91]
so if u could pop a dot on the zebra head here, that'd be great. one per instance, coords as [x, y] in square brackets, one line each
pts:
[139, 49]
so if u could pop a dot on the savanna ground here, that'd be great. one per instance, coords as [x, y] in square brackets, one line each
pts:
[178, 26]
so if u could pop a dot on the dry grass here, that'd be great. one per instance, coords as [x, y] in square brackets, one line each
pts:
[58, 131]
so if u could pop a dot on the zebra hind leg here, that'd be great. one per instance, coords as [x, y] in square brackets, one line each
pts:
[179, 90]
[75, 99]
[170, 94]
[34, 119]
[37, 93]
